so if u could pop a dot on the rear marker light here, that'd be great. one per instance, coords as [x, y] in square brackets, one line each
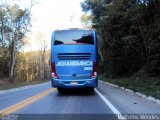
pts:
[94, 72]
[53, 71]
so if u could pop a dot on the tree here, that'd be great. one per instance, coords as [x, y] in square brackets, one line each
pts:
[128, 34]
[15, 24]
[29, 66]
[41, 40]
[86, 21]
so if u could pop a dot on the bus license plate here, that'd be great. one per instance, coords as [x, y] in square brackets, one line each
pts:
[74, 83]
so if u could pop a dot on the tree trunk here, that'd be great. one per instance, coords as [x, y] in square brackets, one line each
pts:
[2, 27]
[13, 60]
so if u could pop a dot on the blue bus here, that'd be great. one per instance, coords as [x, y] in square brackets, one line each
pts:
[74, 59]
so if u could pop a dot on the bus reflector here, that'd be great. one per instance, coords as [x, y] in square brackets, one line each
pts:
[53, 71]
[94, 72]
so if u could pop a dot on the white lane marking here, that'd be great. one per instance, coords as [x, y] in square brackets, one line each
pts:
[21, 88]
[109, 104]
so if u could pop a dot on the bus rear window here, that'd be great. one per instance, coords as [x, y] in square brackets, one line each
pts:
[73, 37]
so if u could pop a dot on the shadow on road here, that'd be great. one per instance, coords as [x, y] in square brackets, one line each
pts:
[76, 92]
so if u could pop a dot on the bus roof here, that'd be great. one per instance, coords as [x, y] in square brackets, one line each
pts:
[72, 29]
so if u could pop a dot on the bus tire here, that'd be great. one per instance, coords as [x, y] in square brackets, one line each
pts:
[91, 90]
[60, 90]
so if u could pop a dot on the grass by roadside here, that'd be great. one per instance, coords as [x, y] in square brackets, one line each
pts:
[5, 84]
[147, 86]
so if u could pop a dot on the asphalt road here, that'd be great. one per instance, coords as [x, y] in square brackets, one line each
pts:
[107, 103]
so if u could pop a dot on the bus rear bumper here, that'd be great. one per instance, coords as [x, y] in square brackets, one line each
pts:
[74, 84]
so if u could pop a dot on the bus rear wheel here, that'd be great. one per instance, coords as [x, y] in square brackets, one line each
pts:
[90, 90]
[60, 90]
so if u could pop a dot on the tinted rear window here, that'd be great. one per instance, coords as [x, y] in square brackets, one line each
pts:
[73, 37]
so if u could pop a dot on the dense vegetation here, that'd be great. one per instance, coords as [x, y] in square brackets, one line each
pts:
[16, 65]
[129, 35]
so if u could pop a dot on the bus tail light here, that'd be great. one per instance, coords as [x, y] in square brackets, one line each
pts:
[94, 72]
[53, 71]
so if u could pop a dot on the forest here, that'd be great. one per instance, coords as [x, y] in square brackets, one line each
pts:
[17, 65]
[128, 41]
[128, 34]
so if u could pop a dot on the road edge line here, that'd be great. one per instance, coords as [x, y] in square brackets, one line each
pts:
[109, 104]
[138, 94]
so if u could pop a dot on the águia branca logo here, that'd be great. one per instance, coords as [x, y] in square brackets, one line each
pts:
[74, 63]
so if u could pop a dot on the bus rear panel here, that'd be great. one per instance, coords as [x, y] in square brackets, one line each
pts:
[74, 59]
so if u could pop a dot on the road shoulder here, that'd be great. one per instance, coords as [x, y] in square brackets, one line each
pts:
[127, 102]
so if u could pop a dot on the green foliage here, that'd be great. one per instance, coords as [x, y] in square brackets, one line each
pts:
[128, 34]
[149, 86]
[4, 62]
[29, 66]
[14, 24]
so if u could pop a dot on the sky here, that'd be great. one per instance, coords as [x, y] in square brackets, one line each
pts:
[49, 15]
